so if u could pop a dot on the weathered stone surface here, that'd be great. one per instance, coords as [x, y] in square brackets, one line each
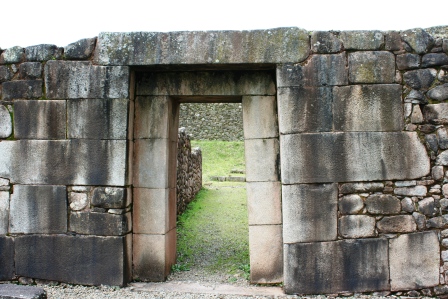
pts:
[152, 117]
[260, 117]
[5, 122]
[356, 156]
[439, 93]
[5, 73]
[35, 257]
[361, 187]
[357, 226]
[434, 59]
[4, 212]
[264, 203]
[23, 89]
[100, 224]
[6, 258]
[418, 39]
[371, 67]
[324, 42]
[38, 209]
[416, 115]
[407, 205]
[6, 148]
[97, 118]
[408, 61]
[309, 212]
[416, 97]
[437, 222]
[305, 109]
[30, 70]
[81, 79]
[289, 75]
[362, 40]
[397, 224]
[442, 158]
[383, 204]
[406, 183]
[42, 52]
[12, 55]
[427, 206]
[333, 267]
[201, 47]
[368, 108]
[109, 197]
[436, 112]
[420, 79]
[81, 49]
[411, 191]
[420, 220]
[39, 119]
[78, 201]
[350, 204]
[392, 41]
[13, 291]
[325, 70]
[262, 160]
[414, 261]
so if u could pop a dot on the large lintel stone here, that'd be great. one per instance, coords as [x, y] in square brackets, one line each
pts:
[353, 156]
[371, 67]
[203, 47]
[336, 267]
[6, 258]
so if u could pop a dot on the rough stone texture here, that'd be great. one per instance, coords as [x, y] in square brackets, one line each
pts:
[420, 220]
[371, 67]
[368, 108]
[436, 112]
[427, 206]
[383, 204]
[393, 41]
[78, 201]
[418, 39]
[38, 209]
[262, 160]
[5, 73]
[30, 70]
[39, 119]
[324, 42]
[333, 267]
[361, 187]
[407, 205]
[97, 118]
[414, 261]
[6, 258]
[439, 93]
[260, 117]
[442, 158]
[23, 89]
[420, 79]
[434, 59]
[5, 122]
[13, 291]
[81, 49]
[356, 156]
[109, 198]
[201, 47]
[264, 203]
[408, 61]
[152, 115]
[100, 224]
[350, 204]
[437, 222]
[362, 40]
[357, 226]
[309, 213]
[416, 115]
[397, 224]
[4, 212]
[325, 70]
[81, 79]
[35, 257]
[12, 55]
[42, 52]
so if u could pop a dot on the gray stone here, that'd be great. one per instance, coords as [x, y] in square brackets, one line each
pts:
[383, 204]
[439, 290]
[30, 70]
[35, 257]
[81, 49]
[350, 204]
[39, 119]
[445, 190]
[357, 226]
[406, 183]
[13, 291]
[418, 39]
[334, 267]
[427, 206]
[81, 79]
[264, 203]
[324, 42]
[289, 75]
[420, 79]
[23, 89]
[397, 224]
[444, 204]
[361, 187]
[109, 197]
[427, 128]
[393, 41]
[325, 70]
[262, 160]
[7, 269]
[443, 76]
[416, 97]
[100, 224]
[407, 205]
[12, 55]
[351, 157]
[6, 148]
[436, 113]
[152, 117]
[439, 93]
[408, 61]
[78, 201]
[411, 191]
[442, 158]
[97, 118]
[371, 67]
[309, 212]
[42, 52]
[445, 45]
[199, 47]
[416, 115]
[437, 222]
[260, 117]
[5, 73]
[362, 40]
[4, 212]
[5, 122]
[434, 59]
[305, 109]
[38, 209]
[414, 261]
[432, 143]
[368, 108]
[442, 138]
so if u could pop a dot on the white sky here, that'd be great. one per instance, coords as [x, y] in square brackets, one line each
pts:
[31, 22]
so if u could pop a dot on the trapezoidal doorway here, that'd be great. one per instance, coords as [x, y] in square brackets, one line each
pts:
[155, 125]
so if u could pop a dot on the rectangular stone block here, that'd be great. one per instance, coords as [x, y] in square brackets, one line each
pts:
[368, 108]
[23, 89]
[414, 261]
[371, 67]
[305, 109]
[38, 210]
[357, 226]
[42, 52]
[4, 212]
[352, 157]
[153, 116]
[6, 150]
[7, 268]
[325, 70]
[111, 197]
[436, 113]
[336, 267]
[266, 256]
[81, 79]
[310, 213]
[97, 118]
[39, 119]
[88, 260]
[260, 117]
[362, 39]
[264, 202]
[100, 224]
[262, 160]
[30, 70]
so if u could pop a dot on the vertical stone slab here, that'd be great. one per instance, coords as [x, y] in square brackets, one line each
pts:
[262, 160]
[151, 163]
[6, 150]
[264, 202]
[260, 117]
[152, 116]
[4, 212]
[310, 213]
[5, 122]
[6, 258]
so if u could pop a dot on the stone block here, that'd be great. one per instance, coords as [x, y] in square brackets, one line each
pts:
[352, 157]
[309, 212]
[110, 198]
[262, 160]
[350, 204]
[368, 108]
[4, 212]
[325, 70]
[305, 109]
[260, 117]
[357, 226]
[362, 39]
[38, 210]
[416, 115]
[436, 112]
[439, 93]
[153, 115]
[200, 47]
[30, 70]
[81, 79]
[5, 73]
[411, 191]
[42, 52]
[435, 222]
[335, 267]
[414, 261]
[97, 118]
[397, 224]
[12, 55]
[23, 89]
[5, 122]
[361, 187]
[264, 203]
[266, 256]
[289, 75]
[420, 79]
[82, 49]
[371, 67]
[7, 268]
[78, 201]
[393, 41]
[88, 260]
[39, 119]
[383, 204]
[325, 42]
[418, 39]
[427, 206]
[100, 224]
[407, 205]
[434, 59]
[6, 150]
[408, 61]
[13, 291]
